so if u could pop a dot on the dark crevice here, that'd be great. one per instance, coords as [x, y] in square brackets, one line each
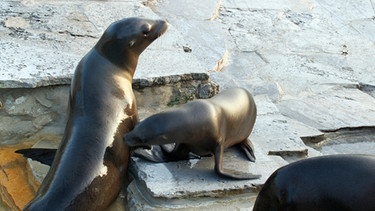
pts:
[289, 153]
[367, 88]
[77, 35]
[341, 135]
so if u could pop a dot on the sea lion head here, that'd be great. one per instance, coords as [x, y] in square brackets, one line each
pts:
[148, 132]
[124, 40]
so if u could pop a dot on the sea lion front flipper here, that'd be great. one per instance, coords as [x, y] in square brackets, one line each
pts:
[42, 155]
[165, 153]
[248, 148]
[227, 172]
[155, 154]
[194, 156]
[177, 152]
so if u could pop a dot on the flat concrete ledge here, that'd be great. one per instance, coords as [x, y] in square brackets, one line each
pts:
[194, 183]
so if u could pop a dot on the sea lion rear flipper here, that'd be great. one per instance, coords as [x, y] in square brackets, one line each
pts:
[248, 148]
[227, 172]
[42, 155]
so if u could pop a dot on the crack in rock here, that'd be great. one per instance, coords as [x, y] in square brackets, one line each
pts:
[341, 135]
[367, 88]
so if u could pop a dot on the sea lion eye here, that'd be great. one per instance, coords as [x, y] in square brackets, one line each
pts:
[146, 29]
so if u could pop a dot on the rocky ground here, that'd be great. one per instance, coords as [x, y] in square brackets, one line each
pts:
[309, 64]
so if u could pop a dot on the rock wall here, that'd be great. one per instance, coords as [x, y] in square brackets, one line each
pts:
[33, 114]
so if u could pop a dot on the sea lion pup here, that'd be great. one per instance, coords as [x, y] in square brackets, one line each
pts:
[89, 166]
[335, 182]
[201, 127]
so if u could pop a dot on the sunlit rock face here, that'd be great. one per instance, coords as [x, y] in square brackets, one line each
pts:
[309, 69]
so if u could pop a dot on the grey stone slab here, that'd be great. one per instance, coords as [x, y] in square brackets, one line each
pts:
[138, 201]
[160, 60]
[270, 5]
[193, 183]
[185, 9]
[333, 108]
[359, 58]
[272, 132]
[31, 66]
[303, 130]
[204, 36]
[302, 48]
[43, 41]
[353, 11]
[365, 27]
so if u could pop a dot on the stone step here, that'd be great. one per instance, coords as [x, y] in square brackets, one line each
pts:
[331, 107]
[193, 184]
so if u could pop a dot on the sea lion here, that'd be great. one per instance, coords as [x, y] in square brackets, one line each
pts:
[336, 182]
[201, 127]
[89, 166]
[42, 155]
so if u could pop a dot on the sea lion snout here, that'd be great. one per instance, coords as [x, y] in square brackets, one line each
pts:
[134, 140]
[158, 28]
[149, 30]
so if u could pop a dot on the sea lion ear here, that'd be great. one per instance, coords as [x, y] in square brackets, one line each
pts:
[131, 43]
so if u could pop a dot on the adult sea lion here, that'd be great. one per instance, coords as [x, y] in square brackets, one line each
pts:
[336, 182]
[202, 127]
[89, 166]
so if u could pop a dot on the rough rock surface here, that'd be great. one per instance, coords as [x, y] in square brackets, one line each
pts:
[310, 65]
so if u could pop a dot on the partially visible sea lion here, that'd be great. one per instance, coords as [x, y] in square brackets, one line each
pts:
[89, 166]
[42, 155]
[202, 127]
[336, 182]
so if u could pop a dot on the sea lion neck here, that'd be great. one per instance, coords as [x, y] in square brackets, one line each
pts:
[118, 56]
